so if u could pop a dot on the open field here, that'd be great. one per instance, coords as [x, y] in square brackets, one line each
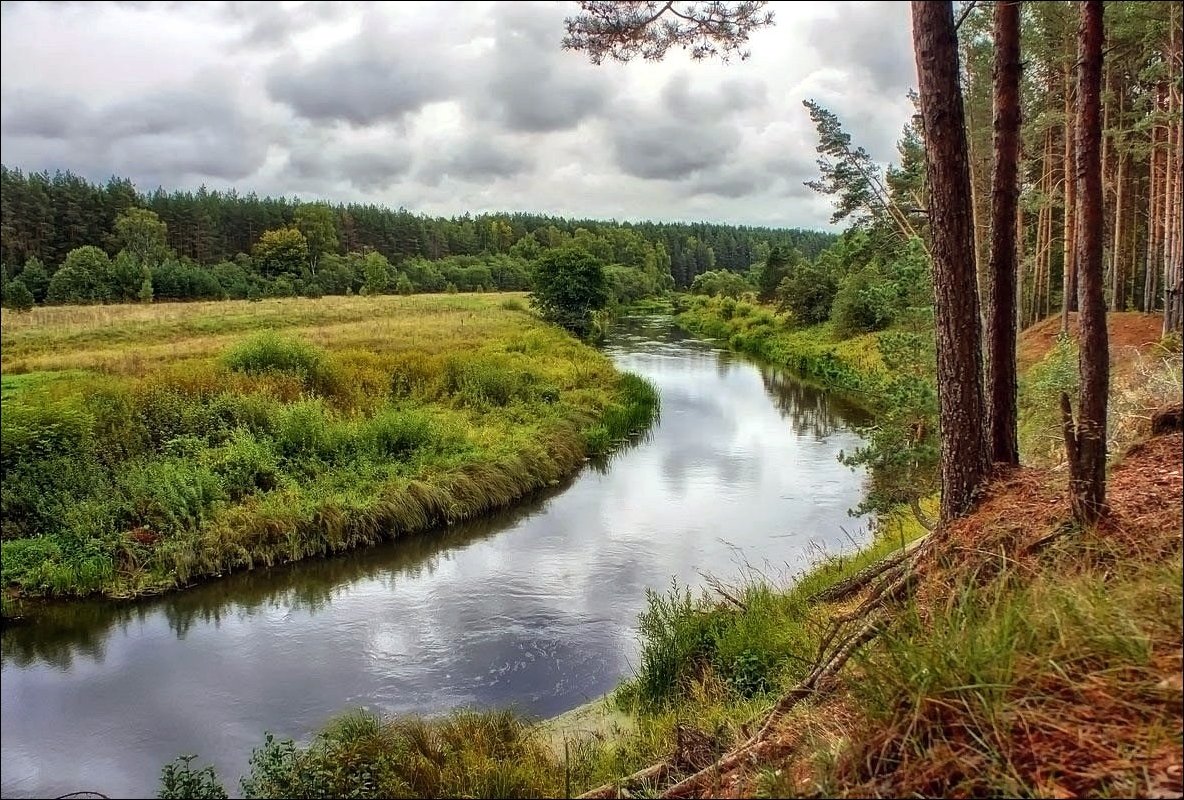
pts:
[145, 447]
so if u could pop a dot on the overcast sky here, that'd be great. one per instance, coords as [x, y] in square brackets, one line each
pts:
[444, 107]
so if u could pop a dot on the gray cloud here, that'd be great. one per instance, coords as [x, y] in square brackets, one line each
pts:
[874, 45]
[670, 151]
[532, 85]
[475, 159]
[198, 131]
[685, 99]
[362, 81]
[38, 114]
[445, 108]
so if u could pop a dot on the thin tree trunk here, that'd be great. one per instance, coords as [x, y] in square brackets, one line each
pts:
[1069, 281]
[1001, 369]
[1154, 195]
[964, 455]
[1019, 263]
[1085, 440]
[1117, 268]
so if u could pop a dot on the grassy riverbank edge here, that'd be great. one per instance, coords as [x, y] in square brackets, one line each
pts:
[557, 437]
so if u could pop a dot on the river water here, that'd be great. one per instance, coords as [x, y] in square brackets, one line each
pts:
[534, 608]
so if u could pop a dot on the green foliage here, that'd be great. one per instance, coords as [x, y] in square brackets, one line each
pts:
[280, 252]
[277, 450]
[377, 273]
[82, 278]
[145, 294]
[126, 277]
[864, 302]
[569, 285]
[179, 781]
[466, 754]
[319, 225]
[808, 291]
[1040, 390]
[144, 237]
[36, 278]
[17, 296]
[267, 352]
[721, 283]
[776, 266]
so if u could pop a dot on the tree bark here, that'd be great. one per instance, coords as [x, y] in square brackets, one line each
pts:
[964, 455]
[1117, 266]
[1069, 281]
[1001, 287]
[1085, 440]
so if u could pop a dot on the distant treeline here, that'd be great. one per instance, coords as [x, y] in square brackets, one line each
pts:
[46, 216]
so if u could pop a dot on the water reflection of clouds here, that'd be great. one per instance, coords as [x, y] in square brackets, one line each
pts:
[541, 615]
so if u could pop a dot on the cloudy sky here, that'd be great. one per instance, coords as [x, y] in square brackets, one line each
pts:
[444, 107]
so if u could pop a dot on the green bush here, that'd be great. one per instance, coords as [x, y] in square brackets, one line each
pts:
[167, 496]
[267, 352]
[245, 464]
[179, 781]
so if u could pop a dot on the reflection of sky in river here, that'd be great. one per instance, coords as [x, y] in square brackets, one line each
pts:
[533, 609]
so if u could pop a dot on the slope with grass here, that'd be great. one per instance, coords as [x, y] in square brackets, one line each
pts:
[146, 447]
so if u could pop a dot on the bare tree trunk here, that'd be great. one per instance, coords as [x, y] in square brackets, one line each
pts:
[1019, 263]
[1069, 281]
[964, 455]
[1001, 369]
[1085, 440]
[1154, 195]
[1117, 267]
[1173, 282]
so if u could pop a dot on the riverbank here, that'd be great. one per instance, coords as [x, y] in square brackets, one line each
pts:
[149, 447]
[1029, 657]
[853, 364]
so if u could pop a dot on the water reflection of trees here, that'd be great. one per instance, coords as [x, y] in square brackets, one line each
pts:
[810, 409]
[62, 632]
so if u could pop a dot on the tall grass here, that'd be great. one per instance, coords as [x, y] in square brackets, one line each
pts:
[282, 445]
[977, 698]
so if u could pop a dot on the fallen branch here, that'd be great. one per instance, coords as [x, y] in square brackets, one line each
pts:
[714, 584]
[852, 585]
[654, 773]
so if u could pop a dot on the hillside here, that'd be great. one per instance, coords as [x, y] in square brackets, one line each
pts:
[1032, 658]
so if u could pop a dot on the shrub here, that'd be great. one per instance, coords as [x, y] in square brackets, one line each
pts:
[167, 496]
[17, 296]
[267, 352]
[179, 781]
[245, 464]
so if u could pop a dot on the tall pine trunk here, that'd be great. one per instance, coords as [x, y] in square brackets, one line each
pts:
[1001, 283]
[1069, 281]
[964, 456]
[1085, 439]
[1117, 265]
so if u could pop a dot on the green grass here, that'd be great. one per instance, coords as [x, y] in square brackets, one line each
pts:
[169, 457]
[854, 365]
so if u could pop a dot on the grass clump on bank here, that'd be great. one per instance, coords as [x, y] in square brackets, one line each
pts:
[132, 468]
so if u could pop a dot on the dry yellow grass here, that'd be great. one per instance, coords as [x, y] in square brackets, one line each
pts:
[124, 338]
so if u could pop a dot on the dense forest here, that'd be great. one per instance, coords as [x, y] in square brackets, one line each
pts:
[213, 239]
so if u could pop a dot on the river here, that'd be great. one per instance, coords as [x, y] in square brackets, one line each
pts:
[534, 608]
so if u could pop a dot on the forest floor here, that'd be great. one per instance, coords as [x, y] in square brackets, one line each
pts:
[1127, 329]
[1088, 701]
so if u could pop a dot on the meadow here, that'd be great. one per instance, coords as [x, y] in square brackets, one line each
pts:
[145, 447]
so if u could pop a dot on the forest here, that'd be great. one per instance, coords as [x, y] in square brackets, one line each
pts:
[210, 245]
